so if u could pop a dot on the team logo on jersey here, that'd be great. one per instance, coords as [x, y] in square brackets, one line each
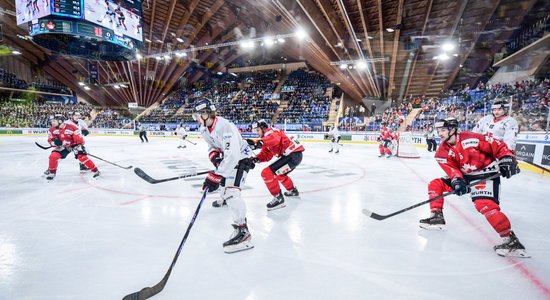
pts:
[467, 143]
[481, 185]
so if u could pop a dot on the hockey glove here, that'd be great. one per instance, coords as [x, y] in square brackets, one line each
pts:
[212, 182]
[508, 166]
[460, 186]
[215, 157]
[57, 142]
[85, 132]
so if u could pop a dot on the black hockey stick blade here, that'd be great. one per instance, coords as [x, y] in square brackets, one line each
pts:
[112, 163]
[191, 142]
[139, 172]
[149, 292]
[382, 217]
[43, 147]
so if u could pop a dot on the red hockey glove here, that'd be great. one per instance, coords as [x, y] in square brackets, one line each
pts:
[215, 157]
[212, 182]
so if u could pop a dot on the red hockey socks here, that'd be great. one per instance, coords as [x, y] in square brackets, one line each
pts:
[87, 162]
[496, 218]
[436, 188]
[286, 182]
[271, 181]
[54, 161]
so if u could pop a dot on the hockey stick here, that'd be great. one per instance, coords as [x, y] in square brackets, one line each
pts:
[112, 163]
[191, 142]
[149, 292]
[43, 147]
[382, 217]
[126, 168]
[139, 172]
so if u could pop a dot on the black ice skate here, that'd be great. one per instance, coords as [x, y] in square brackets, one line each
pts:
[240, 239]
[435, 222]
[330, 151]
[511, 247]
[96, 174]
[277, 202]
[292, 193]
[50, 176]
[337, 151]
[219, 203]
[83, 168]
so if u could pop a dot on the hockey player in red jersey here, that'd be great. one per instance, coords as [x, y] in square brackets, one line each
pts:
[66, 137]
[466, 157]
[275, 142]
[385, 140]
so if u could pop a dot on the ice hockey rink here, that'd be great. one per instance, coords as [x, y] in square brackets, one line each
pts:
[78, 238]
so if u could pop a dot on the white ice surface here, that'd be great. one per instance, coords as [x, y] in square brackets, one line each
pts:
[78, 238]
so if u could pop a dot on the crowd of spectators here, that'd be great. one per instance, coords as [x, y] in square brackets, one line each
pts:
[111, 118]
[529, 105]
[52, 87]
[10, 80]
[527, 36]
[305, 93]
[21, 114]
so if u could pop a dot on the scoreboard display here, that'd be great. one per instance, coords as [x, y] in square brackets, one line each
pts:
[118, 22]
[80, 28]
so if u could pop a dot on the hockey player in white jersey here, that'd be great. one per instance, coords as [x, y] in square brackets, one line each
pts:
[499, 125]
[76, 119]
[334, 134]
[182, 134]
[232, 158]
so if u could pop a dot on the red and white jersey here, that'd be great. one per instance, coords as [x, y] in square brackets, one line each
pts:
[505, 129]
[223, 136]
[473, 154]
[277, 143]
[68, 133]
[385, 133]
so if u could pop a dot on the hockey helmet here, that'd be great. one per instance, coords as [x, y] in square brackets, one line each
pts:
[204, 107]
[260, 124]
[447, 123]
[500, 103]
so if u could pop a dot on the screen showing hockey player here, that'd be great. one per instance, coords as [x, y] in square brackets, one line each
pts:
[122, 16]
[28, 10]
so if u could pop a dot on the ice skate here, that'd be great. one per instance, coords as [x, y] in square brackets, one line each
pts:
[511, 247]
[50, 176]
[240, 240]
[277, 202]
[96, 174]
[436, 221]
[292, 193]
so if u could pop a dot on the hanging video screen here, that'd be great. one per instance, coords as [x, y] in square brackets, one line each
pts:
[123, 17]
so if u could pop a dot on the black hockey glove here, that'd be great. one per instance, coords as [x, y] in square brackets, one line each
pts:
[508, 166]
[212, 182]
[215, 157]
[460, 186]
[85, 132]
[57, 142]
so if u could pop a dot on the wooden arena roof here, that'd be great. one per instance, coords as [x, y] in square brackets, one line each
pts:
[338, 30]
